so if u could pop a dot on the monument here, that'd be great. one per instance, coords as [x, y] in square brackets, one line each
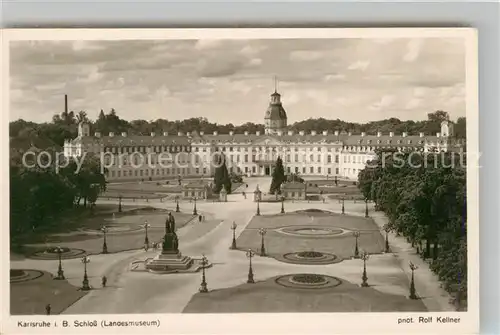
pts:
[170, 259]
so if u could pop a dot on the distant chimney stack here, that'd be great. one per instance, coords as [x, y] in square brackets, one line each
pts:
[66, 103]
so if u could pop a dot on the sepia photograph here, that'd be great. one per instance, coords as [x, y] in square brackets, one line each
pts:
[237, 171]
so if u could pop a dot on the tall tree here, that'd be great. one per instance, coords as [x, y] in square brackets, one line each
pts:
[221, 175]
[278, 176]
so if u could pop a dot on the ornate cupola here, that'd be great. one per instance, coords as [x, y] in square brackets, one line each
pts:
[275, 120]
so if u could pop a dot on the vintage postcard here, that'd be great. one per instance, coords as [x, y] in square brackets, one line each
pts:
[257, 181]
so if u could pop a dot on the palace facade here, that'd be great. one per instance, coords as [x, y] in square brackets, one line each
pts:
[190, 154]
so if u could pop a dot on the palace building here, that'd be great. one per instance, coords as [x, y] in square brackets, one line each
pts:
[326, 153]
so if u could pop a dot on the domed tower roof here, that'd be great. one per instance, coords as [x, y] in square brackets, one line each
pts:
[275, 111]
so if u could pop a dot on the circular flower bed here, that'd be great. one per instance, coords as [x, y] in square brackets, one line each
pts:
[16, 273]
[307, 278]
[53, 250]
[310, 254]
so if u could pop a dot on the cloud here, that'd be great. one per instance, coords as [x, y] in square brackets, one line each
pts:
[231, 80]
[359, 65]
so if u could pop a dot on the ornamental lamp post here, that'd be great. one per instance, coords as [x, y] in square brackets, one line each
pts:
[366, 207]
[413, 294]
[258, 207]
[233, 228]
[387, 229]
[364, 256]
[177, 208]
[85, 283]
[356, 249]
[104, 230]
[60, 272]
[146, 225]
[250, 254]
[120, 203]
[343, 208]
[203, 287]
[282, 205]
[262, 233]
[195, 212]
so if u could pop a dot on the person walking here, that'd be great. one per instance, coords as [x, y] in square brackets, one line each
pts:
[48, 308]
[104, 281]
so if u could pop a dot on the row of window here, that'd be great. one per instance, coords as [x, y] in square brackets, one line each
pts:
[148, 149]
[154, 172]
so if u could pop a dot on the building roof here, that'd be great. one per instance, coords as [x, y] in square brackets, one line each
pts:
[199, 184]
[275, 112]
[119, 140]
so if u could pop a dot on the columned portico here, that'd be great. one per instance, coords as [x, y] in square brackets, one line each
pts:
[265, 168]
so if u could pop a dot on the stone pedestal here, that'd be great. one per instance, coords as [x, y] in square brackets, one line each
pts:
[170, 261]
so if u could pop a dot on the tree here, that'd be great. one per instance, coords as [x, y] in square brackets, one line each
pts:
[221, 175]
[278, 176]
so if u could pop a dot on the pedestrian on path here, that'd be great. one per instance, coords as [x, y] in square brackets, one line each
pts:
[200, 218]
[104, 281]
[48, 308]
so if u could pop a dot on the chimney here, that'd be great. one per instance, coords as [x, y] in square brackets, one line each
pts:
[421, 134]
[165, 133]
[231, 133]
[405, 134]
[202, 133]
[301, 133]
[363, 134]
[379, 134]
[66, 103]
[246, 132]
[111, 134]
[179, 133]
[313, 132]
[124, 134]
[257, 133]
[97, 134]
[325, 132]
[215, 132]
[152, 134]
[391, 134]
[336, 133]
[438, 135]
[290, 132]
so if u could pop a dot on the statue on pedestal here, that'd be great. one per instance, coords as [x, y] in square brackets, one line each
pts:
[170, 241]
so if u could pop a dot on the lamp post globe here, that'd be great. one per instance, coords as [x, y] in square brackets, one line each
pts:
[387, 229]
[356, 235]
[250, 253]
[104, 230]
[364, 256]
[413, 293]
[60, 272]
[85, 283]
[233, 228]
[262, 233]
[203, 287]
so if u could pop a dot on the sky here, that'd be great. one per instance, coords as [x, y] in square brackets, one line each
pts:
[230, 81]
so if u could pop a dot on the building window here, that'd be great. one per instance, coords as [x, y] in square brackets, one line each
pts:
[329, 170]
[299, 194]
[311, 169]
[303, 170]
[329, 159]
[293, 194]
[336, 170]
[253, 169]
[288, 169]
[319, 169]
